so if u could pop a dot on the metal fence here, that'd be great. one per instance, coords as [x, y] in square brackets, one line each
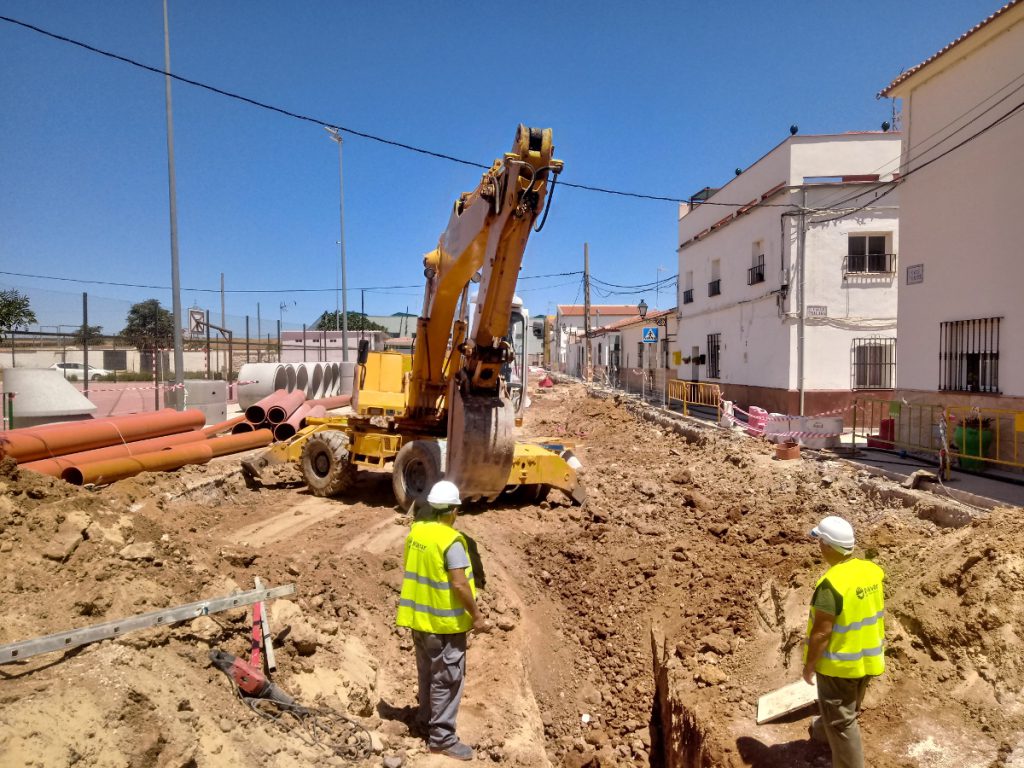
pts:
[701, 394]
[977, 438]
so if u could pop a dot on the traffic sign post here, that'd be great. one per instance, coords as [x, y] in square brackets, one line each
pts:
[650, 335]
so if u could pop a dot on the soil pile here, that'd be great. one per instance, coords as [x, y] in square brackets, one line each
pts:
[697, 541]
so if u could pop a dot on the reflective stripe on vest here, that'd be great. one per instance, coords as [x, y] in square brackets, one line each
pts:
[428, 603]
[856, 647]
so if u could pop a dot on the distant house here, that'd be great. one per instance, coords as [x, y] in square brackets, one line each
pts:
[568, 332]
[623, 358]
[961, 300]
[787, 275]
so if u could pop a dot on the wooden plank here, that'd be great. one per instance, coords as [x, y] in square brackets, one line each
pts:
[62, 641]
[788, 698]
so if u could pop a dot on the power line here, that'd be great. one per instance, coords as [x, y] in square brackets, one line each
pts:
[650, 285]
[351, 131]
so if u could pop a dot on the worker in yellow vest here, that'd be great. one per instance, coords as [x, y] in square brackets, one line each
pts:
[845, 640]
[438, 603]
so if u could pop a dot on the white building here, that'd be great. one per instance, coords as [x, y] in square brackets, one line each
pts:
[569, 336]
[961, 303]
[786, 310]
[623, 358]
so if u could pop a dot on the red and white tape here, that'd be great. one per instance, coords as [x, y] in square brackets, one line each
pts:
[150, 388]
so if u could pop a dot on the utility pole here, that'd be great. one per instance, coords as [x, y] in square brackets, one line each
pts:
[223, 323]
[172, 194]
[336, 136]
[85, 341]
[588, 353]
[259, 334]
[362, 311]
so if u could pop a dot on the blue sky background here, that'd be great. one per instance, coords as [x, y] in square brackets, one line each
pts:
[653, 97]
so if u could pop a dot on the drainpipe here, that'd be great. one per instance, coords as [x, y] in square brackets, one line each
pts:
[801, 266]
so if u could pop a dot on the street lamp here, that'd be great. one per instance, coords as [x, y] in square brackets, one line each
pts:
[335, 135]
[662, 321]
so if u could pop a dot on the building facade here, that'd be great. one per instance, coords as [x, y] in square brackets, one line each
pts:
[787, 276]
[961, 302]
[568, 332]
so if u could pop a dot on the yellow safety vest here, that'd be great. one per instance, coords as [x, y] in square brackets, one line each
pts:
[428, 603]
[857, 645]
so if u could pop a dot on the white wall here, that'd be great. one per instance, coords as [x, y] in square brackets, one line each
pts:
[961, 215]
[759, 341]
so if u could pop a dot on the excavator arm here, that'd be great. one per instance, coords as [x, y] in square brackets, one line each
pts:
[456, 368]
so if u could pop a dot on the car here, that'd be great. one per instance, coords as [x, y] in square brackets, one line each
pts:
[77, 370]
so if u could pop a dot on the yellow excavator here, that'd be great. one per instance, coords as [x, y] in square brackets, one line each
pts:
[449, 410]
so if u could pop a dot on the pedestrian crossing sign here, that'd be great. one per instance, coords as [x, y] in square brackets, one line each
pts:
[651, 335]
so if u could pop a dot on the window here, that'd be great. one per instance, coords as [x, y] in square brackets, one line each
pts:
[868, 254]
[756, 273]
[714, 344]
[969, 355]
[688, 291]
[874, 363]
[640, 354]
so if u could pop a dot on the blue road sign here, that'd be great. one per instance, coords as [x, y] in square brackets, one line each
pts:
[651, 335]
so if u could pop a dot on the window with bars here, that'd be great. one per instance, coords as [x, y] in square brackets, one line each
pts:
[969, 355]
[868, 253]
[874, 363]
[714, 346]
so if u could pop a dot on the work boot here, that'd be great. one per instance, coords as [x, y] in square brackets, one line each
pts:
[816, 731]
[457, 751]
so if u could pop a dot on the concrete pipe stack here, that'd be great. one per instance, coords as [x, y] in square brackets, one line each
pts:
[317, 380]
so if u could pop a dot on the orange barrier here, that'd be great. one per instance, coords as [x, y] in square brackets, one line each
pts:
[54, 467]
[30, 444]
[246, 441]
[103, 472]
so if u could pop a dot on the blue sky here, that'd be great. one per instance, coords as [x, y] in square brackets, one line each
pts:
[653, 97]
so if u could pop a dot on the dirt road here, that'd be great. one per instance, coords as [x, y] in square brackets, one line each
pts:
[704, 541]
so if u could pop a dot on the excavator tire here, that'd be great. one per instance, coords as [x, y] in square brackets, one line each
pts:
[417, 467]
[325, 465]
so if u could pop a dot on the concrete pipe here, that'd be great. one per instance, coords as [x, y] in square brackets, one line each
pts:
[54, 467]
[289, 370]
[328, 386]
[316, 380]
[257, 380]
[102, 472]
[302, 378]
[59, 439]
[345, 373]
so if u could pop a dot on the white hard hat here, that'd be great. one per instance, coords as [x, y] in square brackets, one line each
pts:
[444, 494]
[835, 532]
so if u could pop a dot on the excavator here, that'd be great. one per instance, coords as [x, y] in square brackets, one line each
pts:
[449, 410]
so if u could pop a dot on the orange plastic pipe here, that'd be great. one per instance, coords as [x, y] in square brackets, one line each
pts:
[225, 426]
[257, 412]
[285, 407]
[330, 403]
[29, 445]
[111, 470]
[54, 467]
[243, 442]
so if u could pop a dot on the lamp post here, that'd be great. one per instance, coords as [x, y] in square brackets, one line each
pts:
[335, 135]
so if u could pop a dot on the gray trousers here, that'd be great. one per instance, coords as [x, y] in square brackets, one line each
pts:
[441, 664]
[839, 700]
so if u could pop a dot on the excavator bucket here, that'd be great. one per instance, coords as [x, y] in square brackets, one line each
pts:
[480, 444]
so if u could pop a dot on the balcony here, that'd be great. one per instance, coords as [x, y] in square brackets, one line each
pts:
[755, 274]
[715, 287]
[870, 264]
[688, 296]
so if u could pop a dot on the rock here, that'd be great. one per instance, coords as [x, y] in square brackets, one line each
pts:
[646, 488]
[304, 638]
[682, 477]
[205, 629]
[392, 761]
[140, 550]
[62, 546]
[506, 624]
[359, 701]
[376, 742]
[6, 547]
[710, 675]
[226, 725]
[718, 529]
[715, 643]
[238, 558]
[590, 694]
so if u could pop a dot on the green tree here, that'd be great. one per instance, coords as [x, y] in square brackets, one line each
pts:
[356, 322]
[86, 333]
[15, 312]
[148, 326]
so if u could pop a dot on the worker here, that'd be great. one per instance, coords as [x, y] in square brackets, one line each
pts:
[845, 640]
[438, 603]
